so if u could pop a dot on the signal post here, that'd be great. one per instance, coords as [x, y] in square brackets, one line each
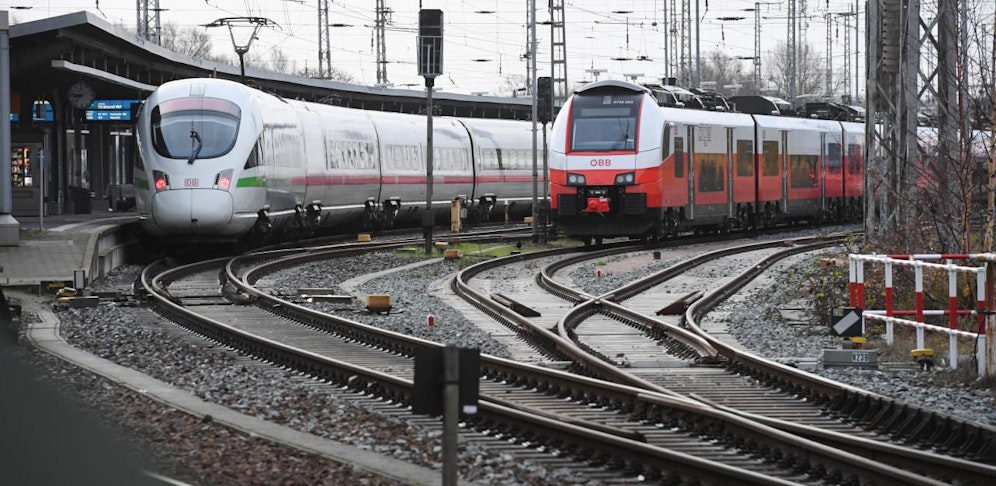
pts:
[430, 65]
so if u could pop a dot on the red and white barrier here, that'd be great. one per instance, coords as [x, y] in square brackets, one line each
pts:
[857, 294]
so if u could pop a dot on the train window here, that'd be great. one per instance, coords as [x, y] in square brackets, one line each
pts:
[854, 158]
[833, 158]
[802, 171]
[519, 159]
[666, 141]
[254, 156]
[679, 157]
[449, 158]
[402, 157]
[769, 166]
[712, 172]
[745, 158]
[184, 127]
[349, 154]
[605, 122]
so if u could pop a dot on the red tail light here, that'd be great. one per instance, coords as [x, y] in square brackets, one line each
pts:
[160, 180]
[223, 180]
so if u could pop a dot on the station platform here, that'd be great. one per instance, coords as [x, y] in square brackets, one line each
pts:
[52, 248]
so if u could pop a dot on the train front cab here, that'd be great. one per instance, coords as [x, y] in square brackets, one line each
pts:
[605, 162]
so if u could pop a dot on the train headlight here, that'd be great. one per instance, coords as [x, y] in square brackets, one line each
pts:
[160, 179]
[575, 179]
[223, 180]
[625, 179]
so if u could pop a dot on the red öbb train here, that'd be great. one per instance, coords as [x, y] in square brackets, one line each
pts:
[622, 165]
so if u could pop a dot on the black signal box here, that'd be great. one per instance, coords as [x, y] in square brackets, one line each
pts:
[429, 380]
[430, 43]
[544, 99]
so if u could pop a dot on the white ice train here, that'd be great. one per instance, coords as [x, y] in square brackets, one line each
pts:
[220, 161]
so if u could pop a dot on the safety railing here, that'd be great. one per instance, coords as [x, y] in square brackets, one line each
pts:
[889, 315]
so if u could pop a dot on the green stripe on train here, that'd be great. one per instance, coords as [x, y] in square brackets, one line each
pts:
[251, 182]
[142, 183]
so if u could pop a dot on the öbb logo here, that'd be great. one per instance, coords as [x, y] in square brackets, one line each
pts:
[601, 162]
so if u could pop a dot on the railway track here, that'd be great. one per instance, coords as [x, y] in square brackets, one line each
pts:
[571, 416]
[672, 354]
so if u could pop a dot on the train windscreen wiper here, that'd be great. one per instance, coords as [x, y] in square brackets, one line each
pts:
[623, 142]
[197, 148]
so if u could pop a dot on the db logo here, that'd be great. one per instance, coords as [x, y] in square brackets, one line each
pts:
[601, 162]
[191, 182]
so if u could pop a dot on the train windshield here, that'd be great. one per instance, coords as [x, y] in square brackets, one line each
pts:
[195, 127]
[605, 122]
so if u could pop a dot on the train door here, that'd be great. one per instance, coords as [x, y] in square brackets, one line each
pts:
[784, 158]
[822, 170]
[314, 135]
[690, 209]
[119, 189]
[852, 183]
[771, 143]
[834, 174]
[729, 173]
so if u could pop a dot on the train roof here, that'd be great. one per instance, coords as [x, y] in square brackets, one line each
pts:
[795, 123]
[614, 83]
[702, 117]
[711, 101]
[761, 105]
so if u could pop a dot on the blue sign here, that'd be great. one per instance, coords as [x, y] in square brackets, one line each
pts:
[15, 117]
[99, 110]
[110, 110]
[42, 112]
[108, 115]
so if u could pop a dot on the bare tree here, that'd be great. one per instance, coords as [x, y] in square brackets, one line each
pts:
[512, 85]
[280, 62]
[810, 70]
[191, 41]
[725, 71]
[985, 38]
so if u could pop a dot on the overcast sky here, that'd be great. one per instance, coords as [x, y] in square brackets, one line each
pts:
[485, 40]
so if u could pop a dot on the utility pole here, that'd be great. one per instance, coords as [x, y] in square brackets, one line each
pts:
[532, 78]
[558, 53]
[9, 227]
[894, 49]
[674, 57]
[380, 25]
[828, 82]
[430, 65]
[792, 51]
[845, 18]
[686, 42]
[324, 42]
[757, 47]
[147, 24]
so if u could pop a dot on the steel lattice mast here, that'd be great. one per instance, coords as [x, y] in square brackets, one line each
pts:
[380, 25]
[899, 56]
[324, 41]
[147, 20]
[558, 53]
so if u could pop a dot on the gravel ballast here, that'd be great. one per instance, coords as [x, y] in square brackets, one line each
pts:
[180, 446]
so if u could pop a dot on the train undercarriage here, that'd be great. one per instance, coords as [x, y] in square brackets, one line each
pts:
[594, 219]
